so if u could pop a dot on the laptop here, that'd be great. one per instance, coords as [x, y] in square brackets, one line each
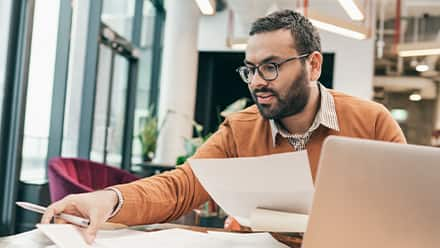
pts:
[375, 194]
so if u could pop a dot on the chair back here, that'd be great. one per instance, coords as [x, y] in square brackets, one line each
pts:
[75, 175]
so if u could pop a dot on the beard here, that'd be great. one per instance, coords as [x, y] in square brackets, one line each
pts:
[288, 103]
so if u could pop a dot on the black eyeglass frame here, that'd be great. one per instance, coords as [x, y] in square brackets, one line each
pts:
[257, 67]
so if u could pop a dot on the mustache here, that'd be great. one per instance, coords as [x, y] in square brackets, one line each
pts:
[264, 90]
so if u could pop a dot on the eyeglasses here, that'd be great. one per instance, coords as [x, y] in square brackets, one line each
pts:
[267, 71]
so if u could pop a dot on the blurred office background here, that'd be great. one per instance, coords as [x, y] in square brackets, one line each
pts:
[81, 78]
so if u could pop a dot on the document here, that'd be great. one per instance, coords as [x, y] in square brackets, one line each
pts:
[70, 236]
[278, 182]
[277, 221]
[247, 239]
[66, 236]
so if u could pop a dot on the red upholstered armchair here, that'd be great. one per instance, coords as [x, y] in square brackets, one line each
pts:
[75, 175]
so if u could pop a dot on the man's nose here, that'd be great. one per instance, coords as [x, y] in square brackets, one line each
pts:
[257, 81]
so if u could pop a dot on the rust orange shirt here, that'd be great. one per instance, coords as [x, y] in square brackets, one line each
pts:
[167, 196]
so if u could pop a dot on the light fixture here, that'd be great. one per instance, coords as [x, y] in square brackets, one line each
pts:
[239, 46]
[422, 67]
[413, 63]
[415, 96]
[400, 115]
[339, 30]
[338, 26]
[237, 43]
[207, 7]
[352, 9]
[418, 49]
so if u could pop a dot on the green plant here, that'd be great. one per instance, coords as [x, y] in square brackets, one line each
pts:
[192, 144]
[148, 136]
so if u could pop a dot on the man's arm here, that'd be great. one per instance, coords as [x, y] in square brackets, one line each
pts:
[167, 196]
[387, 129]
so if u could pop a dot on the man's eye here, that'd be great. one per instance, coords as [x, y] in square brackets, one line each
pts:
[269, 68]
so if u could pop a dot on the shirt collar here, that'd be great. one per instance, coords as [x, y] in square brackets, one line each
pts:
[325, 116]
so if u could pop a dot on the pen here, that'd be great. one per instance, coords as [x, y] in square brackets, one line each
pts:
[68, 217]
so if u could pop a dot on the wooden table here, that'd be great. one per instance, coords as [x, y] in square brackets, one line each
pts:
[36, 239]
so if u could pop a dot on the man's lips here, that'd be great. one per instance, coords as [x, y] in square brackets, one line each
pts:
[265, 98]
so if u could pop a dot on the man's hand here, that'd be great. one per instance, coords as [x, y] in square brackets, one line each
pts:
[96, 206]
[232, 224]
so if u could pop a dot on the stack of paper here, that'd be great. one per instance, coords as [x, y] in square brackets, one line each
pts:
[279, 182]
[66, 236]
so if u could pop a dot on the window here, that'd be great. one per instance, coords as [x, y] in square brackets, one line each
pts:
[5, 7]
[110, 107]
[101, 104]
[72, 111]
[144, 77]
[119, 15]
[39, 94]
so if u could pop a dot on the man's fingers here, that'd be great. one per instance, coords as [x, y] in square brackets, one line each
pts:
[52, 210]
[47, 216]
[96, 221]
[227, 223]
[89, 236]
[90, 232]
[60, 221]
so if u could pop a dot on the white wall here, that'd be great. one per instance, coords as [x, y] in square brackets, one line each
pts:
[354, 63]
[354, 59]
[178, 79]
[212, 32]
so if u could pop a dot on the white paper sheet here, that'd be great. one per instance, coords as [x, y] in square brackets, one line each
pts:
[66, 236]
[69, 236]
[280, 182]
[248, 239]
[276, 221]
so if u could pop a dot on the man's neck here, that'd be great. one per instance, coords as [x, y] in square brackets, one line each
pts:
[300, 123]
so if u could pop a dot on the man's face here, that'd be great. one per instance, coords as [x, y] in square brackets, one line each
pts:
[289, 93]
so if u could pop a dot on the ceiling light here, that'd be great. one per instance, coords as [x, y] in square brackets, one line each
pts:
[207, 7]
[339, 30]
[400, 115]
[237, 43]
[338, 26]
[415, 96]
[422, 67]
[239, 46]
[418, 49]
[352, 9]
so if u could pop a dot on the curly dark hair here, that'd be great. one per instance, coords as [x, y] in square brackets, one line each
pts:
[304, 34]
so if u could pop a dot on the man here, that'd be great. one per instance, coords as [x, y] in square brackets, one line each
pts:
[292, 112]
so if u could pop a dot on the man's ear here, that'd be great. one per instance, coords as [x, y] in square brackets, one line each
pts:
[315, 64]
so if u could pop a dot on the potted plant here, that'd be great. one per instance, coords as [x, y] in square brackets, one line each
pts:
[148, 136]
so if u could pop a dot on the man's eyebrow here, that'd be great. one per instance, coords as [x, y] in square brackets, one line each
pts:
[266, 60]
